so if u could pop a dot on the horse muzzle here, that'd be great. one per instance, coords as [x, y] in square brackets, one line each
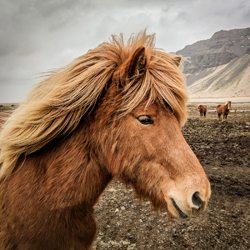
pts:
[189, 204]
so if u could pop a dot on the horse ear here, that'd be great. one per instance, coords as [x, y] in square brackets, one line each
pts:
[137, 63]
[177, 60]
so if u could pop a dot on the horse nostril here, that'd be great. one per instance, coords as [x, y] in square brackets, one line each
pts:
[196, 199]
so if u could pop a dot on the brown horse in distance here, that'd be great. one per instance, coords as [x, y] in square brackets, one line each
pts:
[202, 109]
[115, 112]
[223, 109]
[3, 117]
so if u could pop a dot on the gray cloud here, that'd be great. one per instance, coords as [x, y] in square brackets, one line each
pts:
[39, 35]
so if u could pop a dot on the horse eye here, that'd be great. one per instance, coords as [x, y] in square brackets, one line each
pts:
[145, 119]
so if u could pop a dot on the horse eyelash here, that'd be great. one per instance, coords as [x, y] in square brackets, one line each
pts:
[145, 120]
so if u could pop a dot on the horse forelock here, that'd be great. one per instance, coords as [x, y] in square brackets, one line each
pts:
[160, 82]
[56, 105]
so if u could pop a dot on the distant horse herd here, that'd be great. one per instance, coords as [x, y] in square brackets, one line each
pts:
[222, 110]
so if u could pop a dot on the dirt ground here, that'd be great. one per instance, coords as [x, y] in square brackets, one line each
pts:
[223, 148]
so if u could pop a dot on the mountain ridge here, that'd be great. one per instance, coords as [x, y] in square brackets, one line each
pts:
[219, 66]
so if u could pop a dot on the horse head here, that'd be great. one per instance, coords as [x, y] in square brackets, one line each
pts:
[228, 103]
[144, 146]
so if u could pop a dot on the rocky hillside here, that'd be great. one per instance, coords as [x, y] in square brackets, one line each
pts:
[219, 66]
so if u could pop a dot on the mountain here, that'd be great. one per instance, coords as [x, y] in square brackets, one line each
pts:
[219, 66]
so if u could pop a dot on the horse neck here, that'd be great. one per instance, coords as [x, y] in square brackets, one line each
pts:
[72, 173]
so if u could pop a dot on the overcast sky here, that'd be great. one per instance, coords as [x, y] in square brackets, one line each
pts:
[38, 35]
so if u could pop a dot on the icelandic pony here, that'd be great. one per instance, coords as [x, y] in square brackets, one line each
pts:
[202, 109]
[223, 109]
[113, 112]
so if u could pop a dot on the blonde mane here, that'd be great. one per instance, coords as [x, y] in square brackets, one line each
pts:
[56, 105]
[228, 103]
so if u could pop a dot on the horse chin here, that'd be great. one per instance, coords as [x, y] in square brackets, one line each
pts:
[174, 210]
[177, 210]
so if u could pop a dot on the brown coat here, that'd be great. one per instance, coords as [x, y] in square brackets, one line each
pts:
[223, 109]
[3, 117]
[47, 202]
[202, 109]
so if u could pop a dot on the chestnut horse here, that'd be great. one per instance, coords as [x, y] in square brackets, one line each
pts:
[116, 111]
[3, 118]
[223, 109]
[202, 109]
